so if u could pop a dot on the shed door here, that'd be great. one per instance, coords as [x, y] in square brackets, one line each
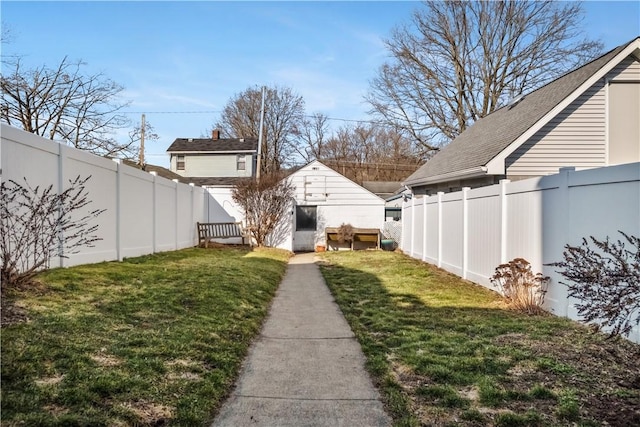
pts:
[306, 224]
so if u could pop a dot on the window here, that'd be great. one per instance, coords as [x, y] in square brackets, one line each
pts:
[394, 214]
[306, 218]
[180, 163]
[241, 162]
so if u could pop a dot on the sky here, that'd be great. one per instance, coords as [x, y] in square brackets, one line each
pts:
[181, 62]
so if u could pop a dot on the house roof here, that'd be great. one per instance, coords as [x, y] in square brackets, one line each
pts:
[470, 153]
[225, 181]
[159, 170]
[209, 145]
[383, 189]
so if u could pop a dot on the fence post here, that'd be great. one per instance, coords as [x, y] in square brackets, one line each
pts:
[176, 197]
[503, 220]
[154, 198]
[192, 212]
[465, 230]
[119, 253]
[440, 233]
[565, 221]
[413, 226]
[62, 152]
[424, 228]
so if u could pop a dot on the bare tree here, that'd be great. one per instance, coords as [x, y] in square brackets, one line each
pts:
[284, 115]
[37, 224]
[64, 104]
[313, 135]
[458, 61]
[265, 203]
[368, 152]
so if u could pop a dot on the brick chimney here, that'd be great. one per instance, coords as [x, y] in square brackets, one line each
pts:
[215, 134]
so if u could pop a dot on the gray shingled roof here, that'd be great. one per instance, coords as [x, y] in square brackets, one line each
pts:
[213, 145]
[223, 180]
[159, 170]
[489, 136]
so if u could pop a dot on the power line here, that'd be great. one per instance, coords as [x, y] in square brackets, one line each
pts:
[338, 119]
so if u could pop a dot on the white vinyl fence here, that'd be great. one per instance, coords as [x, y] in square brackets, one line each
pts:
[471, 232]
[143, 213]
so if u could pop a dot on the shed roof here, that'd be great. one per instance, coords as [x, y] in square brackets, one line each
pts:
[489, 136]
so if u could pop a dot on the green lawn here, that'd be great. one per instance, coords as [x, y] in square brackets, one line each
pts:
[155, 340]
[445, 352]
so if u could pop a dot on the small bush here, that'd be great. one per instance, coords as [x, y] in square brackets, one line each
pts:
[345, 233]
[523, 290]
[606, 281]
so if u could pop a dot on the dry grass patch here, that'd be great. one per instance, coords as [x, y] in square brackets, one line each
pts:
[56, 379]
[150, 413]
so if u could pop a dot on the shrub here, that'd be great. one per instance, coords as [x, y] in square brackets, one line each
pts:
[37, 224]
[605, 280]
[345, 233]
[265, 203]
[522, 289]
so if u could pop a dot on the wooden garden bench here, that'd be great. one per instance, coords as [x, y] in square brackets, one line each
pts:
[208, 231]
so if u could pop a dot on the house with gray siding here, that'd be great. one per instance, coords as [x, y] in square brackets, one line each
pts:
[214, 161]
[587, 118]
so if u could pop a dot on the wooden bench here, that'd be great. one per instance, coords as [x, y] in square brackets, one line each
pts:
[368, 235]
[207, 231]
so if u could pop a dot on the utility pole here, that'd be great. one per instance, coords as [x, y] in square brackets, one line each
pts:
[142, 126]
[258, 166]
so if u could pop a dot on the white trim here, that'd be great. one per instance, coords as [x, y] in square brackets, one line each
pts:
[496, 166]
[474, 172]
[607, 82]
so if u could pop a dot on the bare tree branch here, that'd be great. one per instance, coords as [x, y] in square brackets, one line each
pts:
[458, 61]
[64, 104]
[284, 115]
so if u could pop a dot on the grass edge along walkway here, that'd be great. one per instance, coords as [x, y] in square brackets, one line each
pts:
[444, 351]
[153, 340]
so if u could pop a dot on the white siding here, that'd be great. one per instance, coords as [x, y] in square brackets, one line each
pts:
[213, 165]
[576, 136]
[343, 201]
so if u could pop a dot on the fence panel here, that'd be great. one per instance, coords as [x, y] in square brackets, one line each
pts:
[136, 212]
[483, 225]
[143, 213]
[471, 232]
[103, 173]
[419, 235]
[453, 228]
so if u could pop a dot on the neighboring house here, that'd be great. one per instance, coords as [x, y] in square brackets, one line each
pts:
[387, 190]
[159, 171]
[324, 198]
[587, 118]
[204, 159]
[216, 164]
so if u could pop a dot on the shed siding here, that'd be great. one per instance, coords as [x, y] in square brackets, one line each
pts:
[575, 137]
[339, 200]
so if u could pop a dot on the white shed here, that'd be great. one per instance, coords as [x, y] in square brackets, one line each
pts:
[324, 198]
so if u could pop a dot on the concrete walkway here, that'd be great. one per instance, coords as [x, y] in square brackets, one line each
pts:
[306, 368]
